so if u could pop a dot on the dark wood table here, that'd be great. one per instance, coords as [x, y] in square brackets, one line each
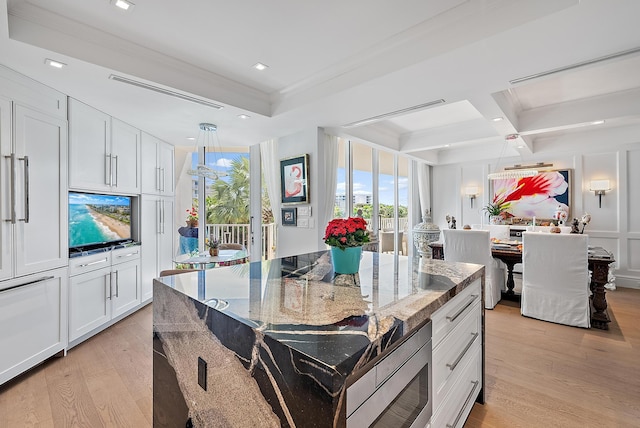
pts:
[599, 260]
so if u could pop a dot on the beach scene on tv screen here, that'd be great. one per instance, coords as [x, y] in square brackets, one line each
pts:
[98, 218]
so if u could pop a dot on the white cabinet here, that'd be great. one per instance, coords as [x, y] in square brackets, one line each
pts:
[102, 287]
[457, 357]
[33, 320]
[157, 238]
[157, 166]
[34, 196]
[104, 153]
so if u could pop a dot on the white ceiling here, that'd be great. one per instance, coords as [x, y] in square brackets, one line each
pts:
[333, 62]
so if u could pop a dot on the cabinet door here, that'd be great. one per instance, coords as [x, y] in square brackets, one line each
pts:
[40, 232]
[90, 160]
[126, 287]
[125, 157]
[149, 235]
[166, 164]
[89, 302]
[150, 171]
[34, 322]
[6, 239]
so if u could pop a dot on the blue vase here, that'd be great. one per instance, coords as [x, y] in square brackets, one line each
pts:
[347, 260]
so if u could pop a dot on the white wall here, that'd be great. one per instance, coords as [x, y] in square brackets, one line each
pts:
[613, 154]
[298, 240]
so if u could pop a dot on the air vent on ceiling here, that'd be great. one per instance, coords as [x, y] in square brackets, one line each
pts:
[164, 91]
[576, 65]
[393, 114]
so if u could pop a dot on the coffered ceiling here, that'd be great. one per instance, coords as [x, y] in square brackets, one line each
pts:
[334, 63]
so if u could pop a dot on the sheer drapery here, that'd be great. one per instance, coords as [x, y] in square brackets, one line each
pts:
[328, 185]
[424, 190]
[271, 174]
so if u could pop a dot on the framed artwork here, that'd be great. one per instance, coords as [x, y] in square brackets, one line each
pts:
[289, 217]
[294, 181]
[539, 196]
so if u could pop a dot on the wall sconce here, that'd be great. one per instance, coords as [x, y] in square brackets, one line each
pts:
[599, 187]
[471, 192]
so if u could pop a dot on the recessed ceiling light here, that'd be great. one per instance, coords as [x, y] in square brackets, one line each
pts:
[191, 138]
[260, 66]
[520, 146]
[123, 4]
[447, 145]
[597, 122]
[54, 63]
[497, 119]
[244, 116]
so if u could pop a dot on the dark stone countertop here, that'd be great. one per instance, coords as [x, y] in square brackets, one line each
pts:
[294, 311]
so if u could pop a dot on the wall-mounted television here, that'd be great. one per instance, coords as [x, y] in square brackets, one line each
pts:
[98, 220]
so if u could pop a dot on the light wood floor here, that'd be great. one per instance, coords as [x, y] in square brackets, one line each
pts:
[538, 375]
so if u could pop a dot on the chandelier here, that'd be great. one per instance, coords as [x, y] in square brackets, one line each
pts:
[516, 171]
[207, 135]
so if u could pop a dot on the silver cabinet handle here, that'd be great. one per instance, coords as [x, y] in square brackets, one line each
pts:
[162, 180]
[117, 282]
[452, 366]
[122, 256]
[35, 281]
[116, 182]
[26, 189]
[158, 171]
[163, 216]
[158, 217]
[466, 402]
[107, 169]
[452, 318]
[109, 282]
[12, 179]
[94, 263]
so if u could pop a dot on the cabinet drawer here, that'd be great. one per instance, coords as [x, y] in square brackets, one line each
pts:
[79, 265]
[125, 254]
[456, 350]
[453, 312]
[457, 404]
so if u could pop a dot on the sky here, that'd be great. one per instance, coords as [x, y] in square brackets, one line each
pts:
[362, 186]
[93, 199]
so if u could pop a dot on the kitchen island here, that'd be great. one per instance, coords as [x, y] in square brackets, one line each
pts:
[277, 343]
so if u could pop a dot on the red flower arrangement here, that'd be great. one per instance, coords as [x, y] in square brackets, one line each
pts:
[349, 232]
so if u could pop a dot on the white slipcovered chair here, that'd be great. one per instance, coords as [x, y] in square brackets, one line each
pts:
[555, 278]
[474, 246]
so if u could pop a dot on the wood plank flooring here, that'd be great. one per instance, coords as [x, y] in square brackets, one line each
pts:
[538, 375]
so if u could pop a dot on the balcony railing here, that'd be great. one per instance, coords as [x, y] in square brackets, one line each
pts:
[240, 234]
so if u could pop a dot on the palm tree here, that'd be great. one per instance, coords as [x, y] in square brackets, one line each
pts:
[228, 201]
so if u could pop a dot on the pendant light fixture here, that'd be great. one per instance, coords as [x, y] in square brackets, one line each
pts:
[513, 172]
[208, 138]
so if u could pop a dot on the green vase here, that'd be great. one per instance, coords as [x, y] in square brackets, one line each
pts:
[346, 261]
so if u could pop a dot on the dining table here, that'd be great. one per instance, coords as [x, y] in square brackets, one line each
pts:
[598, 261]
[203, 260]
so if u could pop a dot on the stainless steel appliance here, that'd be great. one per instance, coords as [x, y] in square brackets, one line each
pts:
[396, 391]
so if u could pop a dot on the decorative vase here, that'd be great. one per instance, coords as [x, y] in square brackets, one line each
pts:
[213, 252]
[425, 233]
[346, 261]
[192, 223]
[495, 219]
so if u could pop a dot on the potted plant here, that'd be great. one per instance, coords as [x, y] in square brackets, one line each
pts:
[495, 211]
[192, 217]
[213, 245]
[346, 237]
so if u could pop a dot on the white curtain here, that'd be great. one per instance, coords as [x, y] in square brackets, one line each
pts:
[328, 185]
[271, 173]
[424, 188]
